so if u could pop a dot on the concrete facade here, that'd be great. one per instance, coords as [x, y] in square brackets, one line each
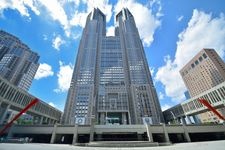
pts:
[14, 98]
[161, 134]
[208, 145]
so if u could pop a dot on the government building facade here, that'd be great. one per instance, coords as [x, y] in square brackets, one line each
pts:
[111, 82]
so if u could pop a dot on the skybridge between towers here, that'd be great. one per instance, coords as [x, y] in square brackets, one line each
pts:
[185, 112]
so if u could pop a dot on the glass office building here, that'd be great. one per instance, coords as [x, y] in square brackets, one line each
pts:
[18, 64]
[111, 81]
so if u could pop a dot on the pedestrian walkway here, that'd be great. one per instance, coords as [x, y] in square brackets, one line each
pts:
[217, 145]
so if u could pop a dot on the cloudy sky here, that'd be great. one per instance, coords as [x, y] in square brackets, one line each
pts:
[172, 32]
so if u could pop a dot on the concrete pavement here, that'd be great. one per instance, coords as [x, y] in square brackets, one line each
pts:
[217, 145]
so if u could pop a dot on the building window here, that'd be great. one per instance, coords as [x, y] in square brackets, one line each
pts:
[196, 62]
[204, 55]
[200, 58]
[192, 65]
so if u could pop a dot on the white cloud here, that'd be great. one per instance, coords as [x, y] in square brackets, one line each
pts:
[203, 31]
[199, 34]
[20, 5]
[31, 4]
[169, 76]
[57, 42]
[103, 5]
[44, 71]
[52, 104]
[56, 11]
[146, 19]
[110, 31]
[64, 77]
[79, 17]
[77, 2]
[45, 38]
[152, 70]
[161, 96]
[165, 107]
[180, 18]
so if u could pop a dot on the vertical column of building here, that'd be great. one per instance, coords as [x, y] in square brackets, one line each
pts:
[80, 106]
[119, 31]
[70, 106]
[112, 95]
[101, 33]
[143, 98]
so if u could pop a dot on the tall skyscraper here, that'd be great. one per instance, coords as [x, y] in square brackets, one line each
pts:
[203, 72]
[18, 64]
[111, 82]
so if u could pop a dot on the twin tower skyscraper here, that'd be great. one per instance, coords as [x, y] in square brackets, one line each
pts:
[111, 82]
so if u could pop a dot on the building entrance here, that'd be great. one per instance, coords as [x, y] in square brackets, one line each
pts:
[114, 118]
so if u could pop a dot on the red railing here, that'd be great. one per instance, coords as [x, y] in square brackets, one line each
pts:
[33, 102]
[210, 107]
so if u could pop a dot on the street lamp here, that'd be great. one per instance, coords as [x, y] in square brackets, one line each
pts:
[174, 117]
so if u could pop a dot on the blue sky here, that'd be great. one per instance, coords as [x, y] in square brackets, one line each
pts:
[172, 32]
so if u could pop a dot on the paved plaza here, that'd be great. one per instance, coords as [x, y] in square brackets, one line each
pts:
[216, 145]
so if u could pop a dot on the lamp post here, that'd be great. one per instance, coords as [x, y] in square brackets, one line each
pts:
[174, 117]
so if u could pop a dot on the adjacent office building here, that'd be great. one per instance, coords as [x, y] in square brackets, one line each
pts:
[205, 71]
[111, 82]
[18, 64]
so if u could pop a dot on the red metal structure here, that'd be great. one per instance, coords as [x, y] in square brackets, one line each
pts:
[33, 102]
[210, 107]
